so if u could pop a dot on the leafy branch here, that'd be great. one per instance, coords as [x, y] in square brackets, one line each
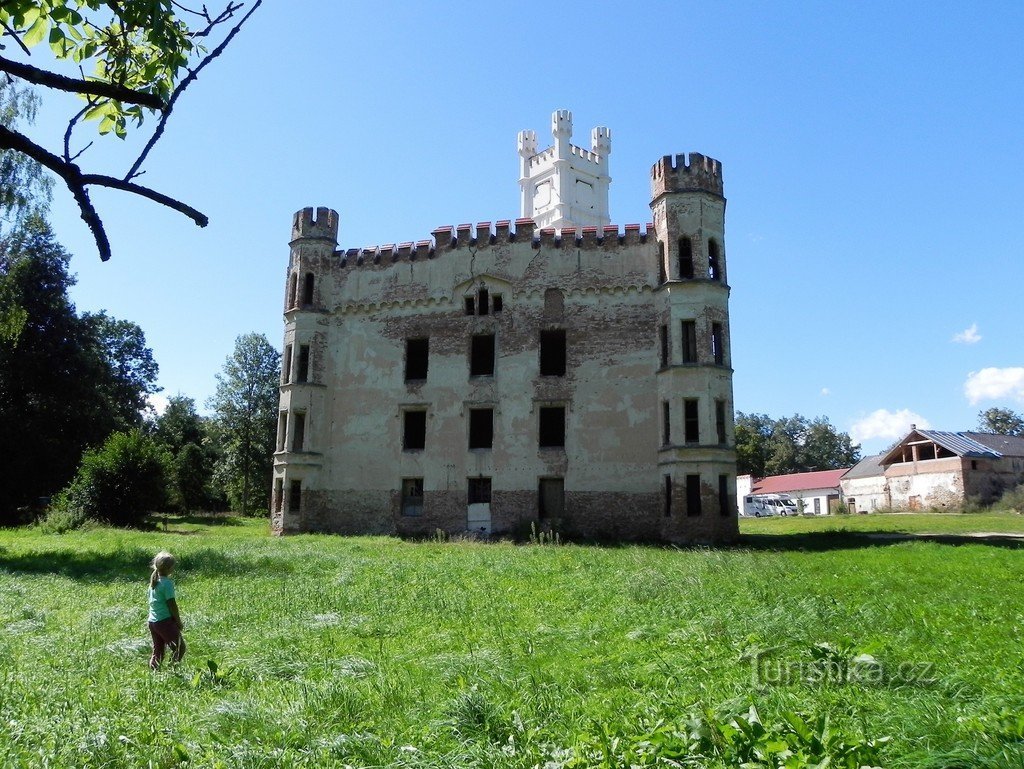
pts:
[139, 50]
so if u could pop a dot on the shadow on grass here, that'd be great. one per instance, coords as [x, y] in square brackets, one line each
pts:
[821, 541]
[131, 564]
[161, 522]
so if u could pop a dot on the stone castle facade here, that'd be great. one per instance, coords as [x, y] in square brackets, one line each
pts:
[554, 373]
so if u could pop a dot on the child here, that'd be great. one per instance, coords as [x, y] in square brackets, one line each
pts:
[164, 620]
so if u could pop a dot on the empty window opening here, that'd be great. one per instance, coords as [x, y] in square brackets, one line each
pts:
[412, 496]
[282, 429]
[479, 491]
[483, 301]
[552, 426]
[720, 421]
[685, 258]
[974, 464]
[689, 341]
[714, 265]
[691, 422]
[718, 343]
[666, 429]
[286, 369]
[668, 496]
[292, 297]
[416, 356]
[723, 494]
[470, 305]
[497, 305]
[552, 352]
[295, 497]
[664, 346]
[817, 505]
[662, 277]
[481, 360]
[693, 495]
[307, 289]
[303, 375]
[298, 431]
[481, 428]
[554, 303]
[414, 430]
[278, 495]
[550, 498]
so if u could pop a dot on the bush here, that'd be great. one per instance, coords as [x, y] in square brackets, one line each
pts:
[119, 484]
[1013, 499]
[841, 509]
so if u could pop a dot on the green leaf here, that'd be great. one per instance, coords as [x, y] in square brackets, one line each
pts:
[36, 32]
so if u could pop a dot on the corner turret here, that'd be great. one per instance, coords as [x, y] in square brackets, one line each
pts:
[323, 225]
[699, 174]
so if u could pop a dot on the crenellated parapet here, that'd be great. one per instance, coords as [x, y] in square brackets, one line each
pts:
[482, 235]
[319, 223]
[681, 174]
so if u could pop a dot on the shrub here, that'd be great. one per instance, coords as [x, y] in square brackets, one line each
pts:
[841, 509]
[1013, 499]
[119, 483]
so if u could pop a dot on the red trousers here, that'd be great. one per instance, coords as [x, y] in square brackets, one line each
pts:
[166, 633]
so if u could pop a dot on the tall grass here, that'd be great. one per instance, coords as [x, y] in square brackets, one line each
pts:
[325, 651]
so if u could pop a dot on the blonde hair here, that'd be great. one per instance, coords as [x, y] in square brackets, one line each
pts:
[162, 564]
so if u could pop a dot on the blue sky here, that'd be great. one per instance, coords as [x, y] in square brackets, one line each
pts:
[873, 157]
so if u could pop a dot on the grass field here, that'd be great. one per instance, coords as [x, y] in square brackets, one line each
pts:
[328, 652]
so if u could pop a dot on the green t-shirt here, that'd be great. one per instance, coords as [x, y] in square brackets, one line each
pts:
[158, 598]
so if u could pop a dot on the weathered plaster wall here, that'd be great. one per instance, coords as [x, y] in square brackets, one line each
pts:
[603, 287]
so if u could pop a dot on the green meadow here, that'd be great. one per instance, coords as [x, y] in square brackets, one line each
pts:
[808, 643]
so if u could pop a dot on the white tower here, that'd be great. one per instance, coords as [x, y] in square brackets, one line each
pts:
[565, 185]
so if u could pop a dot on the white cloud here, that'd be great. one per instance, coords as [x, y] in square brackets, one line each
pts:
[995, 383]
[886, 424]
[158, 403]
[825, 391]
[968, 335]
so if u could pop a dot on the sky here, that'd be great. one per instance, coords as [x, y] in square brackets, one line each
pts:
[872, 152]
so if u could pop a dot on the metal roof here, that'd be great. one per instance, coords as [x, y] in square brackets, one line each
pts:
[958, 443]
[819, 479]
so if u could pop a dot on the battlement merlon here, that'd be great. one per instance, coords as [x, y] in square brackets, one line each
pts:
[527, 142]
[681, 174]
[320, 223]
[561, 124]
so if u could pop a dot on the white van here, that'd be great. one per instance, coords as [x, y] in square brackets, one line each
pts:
[761, 505]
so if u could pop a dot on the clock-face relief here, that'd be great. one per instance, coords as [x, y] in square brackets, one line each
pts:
[542, 195]
[584, 195]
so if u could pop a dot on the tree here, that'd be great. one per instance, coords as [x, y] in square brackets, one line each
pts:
[766, 446]
[183, 434]
[120, 483]
[128, 363]
[64, 383]
[24, 188]
[245, 412]
[142, 54]
[1001, 421]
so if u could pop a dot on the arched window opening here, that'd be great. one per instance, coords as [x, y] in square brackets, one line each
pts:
[662, 276]
[292, 283]
[714, 264]
[685, 258]
[307, 289]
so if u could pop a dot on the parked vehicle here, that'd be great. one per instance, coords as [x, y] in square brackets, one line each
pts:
[762, 505]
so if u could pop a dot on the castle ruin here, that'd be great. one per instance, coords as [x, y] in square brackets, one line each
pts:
[552, 373]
